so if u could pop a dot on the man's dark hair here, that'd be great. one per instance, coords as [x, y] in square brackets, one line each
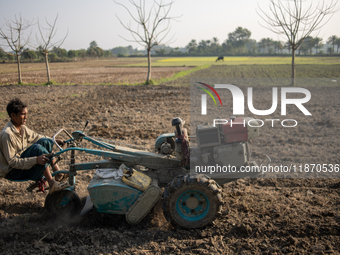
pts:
[15, 106]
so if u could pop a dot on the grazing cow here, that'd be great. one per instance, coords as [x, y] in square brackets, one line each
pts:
[220, 58]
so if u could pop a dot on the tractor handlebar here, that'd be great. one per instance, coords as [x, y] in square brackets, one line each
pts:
[56, 134]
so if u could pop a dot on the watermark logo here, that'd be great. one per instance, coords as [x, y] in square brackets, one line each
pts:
[238, 99]
[204, 97]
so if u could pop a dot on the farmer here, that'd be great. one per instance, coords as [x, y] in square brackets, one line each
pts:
[20, 163]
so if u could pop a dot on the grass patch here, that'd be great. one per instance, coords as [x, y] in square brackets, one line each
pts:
[307, 75]
[51, 82]
[198, 61]
[180, 74]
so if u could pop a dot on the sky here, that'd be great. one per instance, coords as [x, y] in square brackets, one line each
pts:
[96, 20]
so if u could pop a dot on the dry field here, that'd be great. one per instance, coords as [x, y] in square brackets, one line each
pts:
[260, 216]
[111, 71]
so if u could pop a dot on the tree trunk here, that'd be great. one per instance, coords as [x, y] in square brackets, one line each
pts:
[293, 67]
[149, 67]
[19, 69]
[47, 68]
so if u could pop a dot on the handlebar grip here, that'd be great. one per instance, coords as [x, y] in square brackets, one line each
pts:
[50, 155]
[55, 135]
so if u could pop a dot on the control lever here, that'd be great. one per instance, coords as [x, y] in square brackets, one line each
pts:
[87, 122]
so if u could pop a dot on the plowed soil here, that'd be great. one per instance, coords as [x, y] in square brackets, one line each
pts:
[86, 75]
[269, 216]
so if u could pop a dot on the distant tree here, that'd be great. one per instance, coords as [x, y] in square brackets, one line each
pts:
[214, 41]
[160, 52]
[252, 46]
[239, 38]
[290, 19]
[61, 53]
[269, 44]
[81, 53]
[337, 43]
[278, 46]
[130, 49]
[192, 46]
[94, 51]
[288, 46]
[91, 52]
[304, 48]
[227, 47]
[107, 53]
[99, 52]
[308, 44]
[330, 50]
[317, 44]
[175, 52]
[93, 44]
[202, 46]
[332, 40]
[2, 53]
[120, 50]
[29, 54]
[148, 31]
[53, 57]
[311, 43]
[15, 39]
[72, 54]
[262, 45]
[215, 46]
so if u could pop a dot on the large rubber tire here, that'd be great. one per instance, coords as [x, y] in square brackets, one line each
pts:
[192, 201]
[64, 203]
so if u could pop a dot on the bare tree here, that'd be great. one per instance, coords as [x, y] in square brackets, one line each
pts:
[296, 21]
[13, 34]
[148, 31]
[45, 43]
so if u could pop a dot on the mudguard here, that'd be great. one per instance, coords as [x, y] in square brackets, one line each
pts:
[144, 204]
[112, 195]
[162, 139]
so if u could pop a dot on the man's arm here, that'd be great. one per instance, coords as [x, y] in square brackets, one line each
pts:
[32, 136]
[9, 152]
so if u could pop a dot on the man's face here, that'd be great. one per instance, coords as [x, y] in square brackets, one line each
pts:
[19, 118]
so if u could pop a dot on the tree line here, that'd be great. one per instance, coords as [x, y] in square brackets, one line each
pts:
[58, 54]
[236, 44]
[240, 43]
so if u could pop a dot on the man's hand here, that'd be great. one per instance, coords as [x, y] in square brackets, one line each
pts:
[60, 142]
[42, 160]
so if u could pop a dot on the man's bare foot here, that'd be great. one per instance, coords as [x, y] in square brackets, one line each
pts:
[58, 186]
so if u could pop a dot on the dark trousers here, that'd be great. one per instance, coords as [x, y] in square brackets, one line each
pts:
[42, 146]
